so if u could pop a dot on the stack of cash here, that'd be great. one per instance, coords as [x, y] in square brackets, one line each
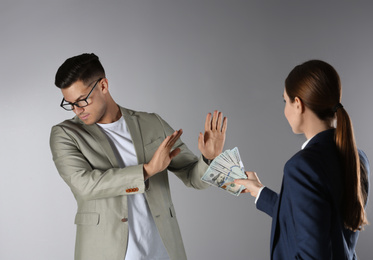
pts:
[224, 169]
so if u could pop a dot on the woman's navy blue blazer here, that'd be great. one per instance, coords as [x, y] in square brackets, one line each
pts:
[307, 214]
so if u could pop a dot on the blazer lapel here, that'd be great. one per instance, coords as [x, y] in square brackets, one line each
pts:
[102, 140]
[135, 131]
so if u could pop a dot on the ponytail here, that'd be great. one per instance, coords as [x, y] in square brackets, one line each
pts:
[354, 215]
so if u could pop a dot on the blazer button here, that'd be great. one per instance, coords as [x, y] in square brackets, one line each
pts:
[124, 219]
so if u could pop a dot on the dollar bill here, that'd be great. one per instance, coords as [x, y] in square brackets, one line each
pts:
[224, 169]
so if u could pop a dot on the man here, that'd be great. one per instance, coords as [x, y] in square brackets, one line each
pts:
[115, 161]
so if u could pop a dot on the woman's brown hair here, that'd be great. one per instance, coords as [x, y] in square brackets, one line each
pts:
[317, 84]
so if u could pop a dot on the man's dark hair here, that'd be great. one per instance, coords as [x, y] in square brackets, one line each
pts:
[85, 67]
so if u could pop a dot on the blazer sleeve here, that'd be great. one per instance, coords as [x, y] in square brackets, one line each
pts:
[90, 178]
[309, 204]
[186, 166]
[267, 201]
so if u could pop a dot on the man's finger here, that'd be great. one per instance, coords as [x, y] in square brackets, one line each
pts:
[214, 120]
[220, 120]
[174, 137]
[225, 124]
[165, 141]
[201, 143]
[174, 153]
[208, 122]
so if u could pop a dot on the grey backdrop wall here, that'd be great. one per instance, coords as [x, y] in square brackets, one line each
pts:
[181, 59]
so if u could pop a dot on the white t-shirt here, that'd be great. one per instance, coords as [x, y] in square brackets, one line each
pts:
[144, 241]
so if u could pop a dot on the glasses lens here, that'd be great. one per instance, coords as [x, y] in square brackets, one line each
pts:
[67, 106]
[81, 103]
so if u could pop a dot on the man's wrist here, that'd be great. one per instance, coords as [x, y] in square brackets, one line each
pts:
[207, 161]
[145, 171]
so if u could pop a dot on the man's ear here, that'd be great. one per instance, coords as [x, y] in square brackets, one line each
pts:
[104, 85]
[299, 105]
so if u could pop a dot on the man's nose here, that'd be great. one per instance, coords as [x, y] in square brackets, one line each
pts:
[77, 110]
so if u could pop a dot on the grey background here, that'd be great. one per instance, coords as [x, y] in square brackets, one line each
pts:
[181, 59]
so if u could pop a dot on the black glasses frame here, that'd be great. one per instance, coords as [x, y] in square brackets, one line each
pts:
[73, 104]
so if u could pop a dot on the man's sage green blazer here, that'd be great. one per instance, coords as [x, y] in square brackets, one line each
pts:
[86, 162]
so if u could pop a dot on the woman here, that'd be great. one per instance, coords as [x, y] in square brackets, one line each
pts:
[321, 206]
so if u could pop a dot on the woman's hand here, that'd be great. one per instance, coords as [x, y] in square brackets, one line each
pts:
[252, 184]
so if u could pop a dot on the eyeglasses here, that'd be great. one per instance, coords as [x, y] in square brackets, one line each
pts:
[80, 103]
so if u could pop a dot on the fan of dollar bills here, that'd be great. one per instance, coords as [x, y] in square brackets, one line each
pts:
[224, 169]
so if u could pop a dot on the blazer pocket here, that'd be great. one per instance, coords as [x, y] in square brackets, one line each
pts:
[87, 218]
[151, 148]
[153, 145]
